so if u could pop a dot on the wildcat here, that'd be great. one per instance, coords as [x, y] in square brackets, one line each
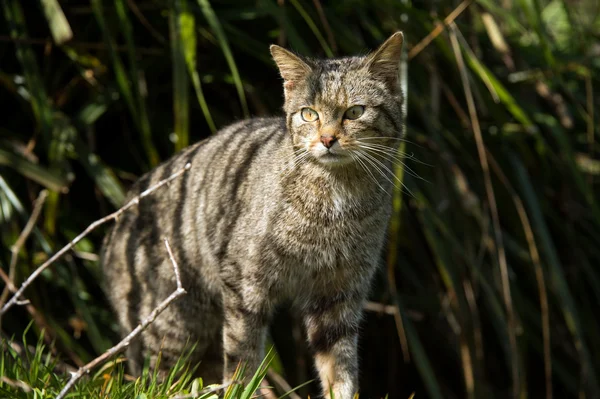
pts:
[273, 210]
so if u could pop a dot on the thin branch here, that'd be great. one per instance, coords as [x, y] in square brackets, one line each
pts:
[283, 384]
[133, 334]
[380, 308]
[144, 21]
[91, 227]
[16, 248]
[16, 384]
[206, 391]
[438, 29]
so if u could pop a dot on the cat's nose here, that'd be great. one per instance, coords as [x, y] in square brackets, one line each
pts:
[328, 140]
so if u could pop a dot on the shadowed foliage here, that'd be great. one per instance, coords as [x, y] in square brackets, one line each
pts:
[489, 282]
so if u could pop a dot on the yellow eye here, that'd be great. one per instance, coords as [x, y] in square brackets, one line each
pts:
[309, 115]
[354, 112]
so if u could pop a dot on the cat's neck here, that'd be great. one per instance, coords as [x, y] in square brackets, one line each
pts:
[345, 190]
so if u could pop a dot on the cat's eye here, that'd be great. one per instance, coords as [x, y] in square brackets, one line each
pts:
[309, 115]
[354, 112]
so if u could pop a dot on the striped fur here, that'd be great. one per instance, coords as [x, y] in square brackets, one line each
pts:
[267, 215]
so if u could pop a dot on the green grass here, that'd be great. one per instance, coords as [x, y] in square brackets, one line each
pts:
[35, 372]
[141, 79]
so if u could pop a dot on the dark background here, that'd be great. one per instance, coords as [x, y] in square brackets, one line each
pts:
[493, 251]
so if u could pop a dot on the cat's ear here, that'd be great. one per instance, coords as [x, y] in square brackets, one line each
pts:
[291, 67]
[384, 61]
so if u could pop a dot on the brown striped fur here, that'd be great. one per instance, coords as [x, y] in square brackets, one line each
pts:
[267, 214]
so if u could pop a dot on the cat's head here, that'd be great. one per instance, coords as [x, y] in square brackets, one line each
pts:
[342, 110]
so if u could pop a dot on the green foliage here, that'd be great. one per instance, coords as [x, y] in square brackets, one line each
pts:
[31, 372]
[85, 116]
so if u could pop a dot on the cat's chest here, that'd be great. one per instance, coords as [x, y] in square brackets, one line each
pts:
[337, 234]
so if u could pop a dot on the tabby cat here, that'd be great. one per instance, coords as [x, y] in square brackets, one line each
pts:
[277, 210]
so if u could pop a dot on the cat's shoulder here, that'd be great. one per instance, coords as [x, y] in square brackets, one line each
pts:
[253, 125]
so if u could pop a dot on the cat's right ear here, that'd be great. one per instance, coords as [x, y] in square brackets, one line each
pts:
[291, 67]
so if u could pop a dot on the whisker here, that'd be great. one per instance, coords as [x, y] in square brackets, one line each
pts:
[390, 151]
[393, 151]
[392, 138]
[393, 159]
[366, 169]
[375, 161]
[368, 159]
[296, 161]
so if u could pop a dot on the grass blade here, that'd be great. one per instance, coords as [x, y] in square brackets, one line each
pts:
[13, 14]
[46, 178]
[59, 26]
[143, 121]
[178, 18]
[139, 115]
[106, 181]
[313, 27]
[259, 376]
[216, 27]
[557, 274]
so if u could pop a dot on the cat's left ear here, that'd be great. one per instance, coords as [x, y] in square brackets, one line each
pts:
[384, 62]
[292, 68]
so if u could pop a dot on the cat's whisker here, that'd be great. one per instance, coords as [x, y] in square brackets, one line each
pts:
[368, 159]
[375, 162]
[296, 161]
[389, 151]
[382, 138]
[356, 158]
[394, 160]
[392, 151]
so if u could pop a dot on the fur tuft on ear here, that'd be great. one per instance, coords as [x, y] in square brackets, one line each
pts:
[291, 67]
[384, 61]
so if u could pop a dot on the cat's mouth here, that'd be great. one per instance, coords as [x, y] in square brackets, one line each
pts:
[334, 156]
[331, 158]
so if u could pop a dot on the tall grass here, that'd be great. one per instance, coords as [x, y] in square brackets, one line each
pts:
[492, 260]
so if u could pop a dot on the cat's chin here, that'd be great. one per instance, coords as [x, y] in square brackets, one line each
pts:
[333, 160]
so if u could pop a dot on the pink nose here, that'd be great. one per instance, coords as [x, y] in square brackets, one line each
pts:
[328, 140]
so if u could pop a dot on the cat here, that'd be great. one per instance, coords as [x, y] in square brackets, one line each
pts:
[273, 210]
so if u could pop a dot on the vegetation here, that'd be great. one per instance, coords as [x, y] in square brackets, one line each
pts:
[491, 285]
[31, 372]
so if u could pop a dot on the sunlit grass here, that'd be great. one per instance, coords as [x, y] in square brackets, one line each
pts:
[84, 117]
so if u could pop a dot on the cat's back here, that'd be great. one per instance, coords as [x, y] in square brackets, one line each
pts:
[224, 151]
[197, 206]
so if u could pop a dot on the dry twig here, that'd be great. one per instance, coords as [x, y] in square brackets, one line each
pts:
[15, 298]
[439, 28]
[16, 384]
[206, 391]
[133, 334]
[16, 248]
[283, 384]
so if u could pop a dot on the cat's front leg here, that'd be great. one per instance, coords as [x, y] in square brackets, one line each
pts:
[332, 329]
[244, 331]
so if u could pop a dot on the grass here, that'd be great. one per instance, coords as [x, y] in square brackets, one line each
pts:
[487, 301]
[33, 372]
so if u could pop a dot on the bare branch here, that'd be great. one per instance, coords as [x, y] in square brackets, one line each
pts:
[439, 28]
[207, 390]
[133, 334]
[283, 384]
[91, 227]
[380, 308]
[16, 384]
[172, 258]
[16, 248]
